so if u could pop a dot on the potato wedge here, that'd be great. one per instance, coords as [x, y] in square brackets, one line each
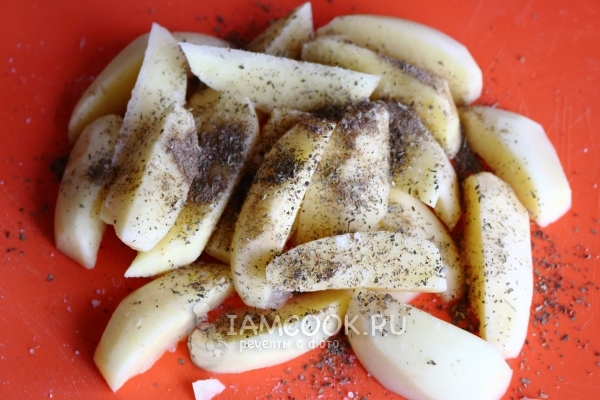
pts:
[250, 339]
[279, 123]
[110, 92]
[497, 251]
[156, 317]
[416, 44]
[160, 84]
[228, 131]
[350, 189]
[420, 167]
[270, 208]
[154, 181]
[372, 260]
[411, 217]
[520, 153]
[426, 93]
[287, 35]
[78, 228]
[411, 353]
[272, 82]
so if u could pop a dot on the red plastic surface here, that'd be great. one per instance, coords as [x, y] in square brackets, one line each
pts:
[540, 58]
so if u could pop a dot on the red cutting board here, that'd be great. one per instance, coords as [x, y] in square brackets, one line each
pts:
[539, 58]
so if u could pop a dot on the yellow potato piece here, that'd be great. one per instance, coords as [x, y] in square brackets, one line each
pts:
[497, 251]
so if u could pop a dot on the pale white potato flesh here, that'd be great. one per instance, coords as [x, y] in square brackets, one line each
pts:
[519, 152]
[110, 91]
[426, 93]
[287, 35]
[248, 338]
[266, 218]
[78, 228]
[279, 123]
[272, 82]
[349, 191]
[410, 216]
[153, 183]
[160, 83]
[419, 356]
[497, 252]
[227, 130]
[156, 317]
[417, 44]
[372, 260]
[206, 389]
[419, 165]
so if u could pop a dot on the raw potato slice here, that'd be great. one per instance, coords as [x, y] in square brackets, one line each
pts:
[520, 153]
[426, 93]
[207, 389]
[156, 317]
[250, 339]
[78, 229]
[418, 356]
[420, 167]
[497, 251]
[416, 44]
[378, 260]
[279, 123]
[226, 135]
[272, 82]
[152, 187]
[411, 217]
[415, 155]
[111, 90]
[287, 35]
[161, 83]
[269, 211]
[349, 191]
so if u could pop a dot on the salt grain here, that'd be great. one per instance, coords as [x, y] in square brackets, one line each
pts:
[95, 303]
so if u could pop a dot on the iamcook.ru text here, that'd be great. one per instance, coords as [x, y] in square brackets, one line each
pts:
[310, 325]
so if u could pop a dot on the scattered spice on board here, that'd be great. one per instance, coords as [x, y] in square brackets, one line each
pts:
[58, 166]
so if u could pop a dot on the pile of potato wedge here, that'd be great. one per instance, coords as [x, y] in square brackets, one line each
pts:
[316, 167]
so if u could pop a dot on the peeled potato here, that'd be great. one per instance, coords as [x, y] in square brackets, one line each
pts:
[418, 356]
[155, 317]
